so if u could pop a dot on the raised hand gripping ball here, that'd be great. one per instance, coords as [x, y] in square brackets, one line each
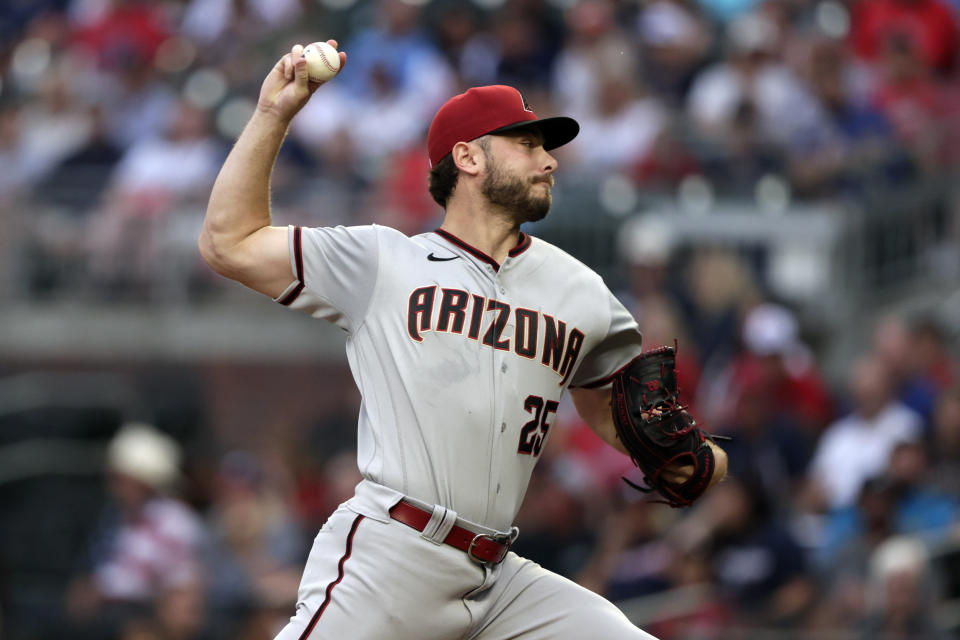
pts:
[323, 61]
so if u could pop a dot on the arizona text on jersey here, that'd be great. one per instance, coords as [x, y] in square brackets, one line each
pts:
[460, 360]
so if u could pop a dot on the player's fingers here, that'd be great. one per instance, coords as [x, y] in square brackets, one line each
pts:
[720, 464]
[280, 67]
[343, 60]
[332, 43]
[288, 62]
[300, 69]
[296, 50]
[677, 473]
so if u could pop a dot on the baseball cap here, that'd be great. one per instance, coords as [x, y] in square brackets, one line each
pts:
[142, 452]
[492, 109]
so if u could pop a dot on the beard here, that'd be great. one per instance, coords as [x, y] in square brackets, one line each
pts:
[514, 195]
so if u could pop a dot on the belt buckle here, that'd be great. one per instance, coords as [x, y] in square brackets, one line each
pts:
[504, 539]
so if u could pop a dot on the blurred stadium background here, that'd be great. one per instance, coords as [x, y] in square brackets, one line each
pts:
[774, 183]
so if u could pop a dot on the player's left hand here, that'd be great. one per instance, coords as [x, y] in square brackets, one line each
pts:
[678, 460]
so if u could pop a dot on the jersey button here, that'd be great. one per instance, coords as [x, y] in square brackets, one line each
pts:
[503, 290]
[503, 367]
[503, 427]
[498, 487]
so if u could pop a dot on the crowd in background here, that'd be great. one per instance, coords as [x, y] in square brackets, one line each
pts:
[840, 517]
[115, 116]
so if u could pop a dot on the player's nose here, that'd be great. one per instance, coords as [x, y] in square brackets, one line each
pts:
[549, 163]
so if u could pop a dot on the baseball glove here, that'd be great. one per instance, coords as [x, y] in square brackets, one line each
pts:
[657, 431]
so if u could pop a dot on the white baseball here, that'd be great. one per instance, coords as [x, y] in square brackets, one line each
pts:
[323, 61]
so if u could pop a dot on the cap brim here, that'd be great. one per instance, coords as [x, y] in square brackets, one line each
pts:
[556, 131]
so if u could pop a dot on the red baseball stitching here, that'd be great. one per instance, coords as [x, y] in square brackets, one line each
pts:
[325, 61]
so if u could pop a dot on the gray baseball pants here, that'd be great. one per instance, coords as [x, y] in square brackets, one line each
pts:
[369, 577]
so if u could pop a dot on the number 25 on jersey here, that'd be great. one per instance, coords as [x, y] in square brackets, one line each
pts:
[534, 433]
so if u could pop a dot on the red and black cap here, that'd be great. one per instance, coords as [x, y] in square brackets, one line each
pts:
[493, 109]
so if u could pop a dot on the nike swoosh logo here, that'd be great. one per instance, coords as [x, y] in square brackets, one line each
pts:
[433, 258]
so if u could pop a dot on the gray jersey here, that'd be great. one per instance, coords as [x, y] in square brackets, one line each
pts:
[460, 361]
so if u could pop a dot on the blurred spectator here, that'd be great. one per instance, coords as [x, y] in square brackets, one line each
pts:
[674, 42]
[178, 614]
[668, 160]
[901, 594]
[915, 507]
[16, 15]
[768, 444]
[181, 163]
[56, 125]
[917, 355]
[776, 359]
[255, 560]
[75, 185]
[758, 565]
[527, 41]
[858, 446]
[646, 247]
[850, 146]
[397, 80]
[744, 156]
[14, 177]
[208, 21]
[395, 52]
[67, 198]
[122, 29]
[148, 542]
[851, 537]
[925, 26]
[556, 533]
[917, 105]
[399, 198]
[945, 446]
[138, 103]
[620, 131]
[598, 50]
[749, 85]
[631, 557]
[922, 510]
[717, 286]
[466, 45]
[153, 179]
[934, 360]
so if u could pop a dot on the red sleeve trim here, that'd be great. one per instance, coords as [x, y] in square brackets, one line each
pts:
[298, 253]
[290, 297]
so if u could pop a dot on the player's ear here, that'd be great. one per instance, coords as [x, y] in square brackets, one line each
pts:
[468, 157]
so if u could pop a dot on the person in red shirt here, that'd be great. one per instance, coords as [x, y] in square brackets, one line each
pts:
[774, 354]
[929, 25]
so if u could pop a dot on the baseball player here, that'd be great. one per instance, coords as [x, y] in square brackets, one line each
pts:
[461, 341]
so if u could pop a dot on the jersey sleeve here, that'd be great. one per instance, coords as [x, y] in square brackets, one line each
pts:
[336, 272]
[618, 347]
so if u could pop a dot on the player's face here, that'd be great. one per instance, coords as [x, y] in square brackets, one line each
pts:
[519, 175]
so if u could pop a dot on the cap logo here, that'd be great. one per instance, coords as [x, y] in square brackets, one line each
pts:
[526, 107]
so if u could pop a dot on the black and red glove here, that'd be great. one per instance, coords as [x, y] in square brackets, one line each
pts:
[658, 432]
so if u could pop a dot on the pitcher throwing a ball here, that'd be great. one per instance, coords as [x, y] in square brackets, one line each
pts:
[462, 341]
